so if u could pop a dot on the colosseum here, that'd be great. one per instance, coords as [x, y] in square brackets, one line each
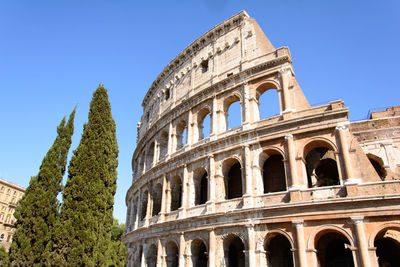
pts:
[305, 187]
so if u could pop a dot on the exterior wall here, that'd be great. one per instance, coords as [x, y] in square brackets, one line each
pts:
[10, 194]
[349, 201]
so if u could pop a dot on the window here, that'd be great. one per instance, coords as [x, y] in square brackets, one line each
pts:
[2, 237]
[2, 188]
[1, 216]
[8, 191]
[8, 218]
[204, 66]
[167, 94]
[15, 192]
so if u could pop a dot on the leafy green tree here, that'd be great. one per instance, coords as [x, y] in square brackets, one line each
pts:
[3, 257]
[84, 235]
[118, 256]
[38, 209]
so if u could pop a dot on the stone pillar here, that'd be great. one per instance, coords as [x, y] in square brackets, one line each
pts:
[149, 206]
[145, 161]
[211, 181]
[182, 250]
[292, 162]
[285, 73]
[156, 152]
[361, 241]
[211, 252]
[170, 139]
[300, 243]
[142, 258]
[138, 208]
[214, 117]
[189, 133]
[164, 198]
[246, 106]
[182, 209]
[348, 171]
[251, 245]
[159, 253]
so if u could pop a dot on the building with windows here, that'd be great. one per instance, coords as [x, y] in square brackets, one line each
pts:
[10, 194]
[305, 187]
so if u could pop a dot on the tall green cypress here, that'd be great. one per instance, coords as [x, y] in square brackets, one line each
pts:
[39, 208]
[88, 197]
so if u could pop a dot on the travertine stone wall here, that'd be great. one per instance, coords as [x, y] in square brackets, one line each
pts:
[296, 183]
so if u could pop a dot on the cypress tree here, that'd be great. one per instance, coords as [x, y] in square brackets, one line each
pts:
[38, 209]
[88, 198]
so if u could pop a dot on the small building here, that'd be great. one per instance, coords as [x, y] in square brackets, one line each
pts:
[10, 194]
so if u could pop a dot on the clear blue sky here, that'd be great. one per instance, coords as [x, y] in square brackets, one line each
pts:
[53, 55]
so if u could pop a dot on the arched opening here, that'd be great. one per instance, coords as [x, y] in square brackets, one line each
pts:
[388, 248]
[142, 161]
[377, 162]
[333, 249]
[150, 156]
[274, 174]
[234, 252]
[176, 193]
[172, 254]
[151, 259]
[200, 186]
[268, 101]
[199, 253]
[321, 167]
[233, 112]
[233, 179]
[203, 124]
[157, 198]
[279, 251]
[181, 135]
[138, 261]
[143, 210]
[163, 144]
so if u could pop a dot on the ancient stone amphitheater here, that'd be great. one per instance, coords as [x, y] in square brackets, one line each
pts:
[305, 187]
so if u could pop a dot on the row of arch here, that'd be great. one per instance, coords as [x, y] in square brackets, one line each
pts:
[202, 126]
[333, 247]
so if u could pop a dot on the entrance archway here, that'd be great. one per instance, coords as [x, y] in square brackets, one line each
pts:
[388, 248]
[234, 252]
[199, 253]
[279, 251]
[333, 250]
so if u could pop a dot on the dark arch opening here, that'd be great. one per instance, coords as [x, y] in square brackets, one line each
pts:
[201, 190]
[279, 251]
[150, 156]
[234, 182]
[387, 249]
[157, 198]
[181, 135]
[333, 249]
[143, 212]
[234, 250]
[176, 193]
[151, 259]
[274, 174]
[321, 168]
[172, 254]
[377, 163]
[163, 145]
[199, 254]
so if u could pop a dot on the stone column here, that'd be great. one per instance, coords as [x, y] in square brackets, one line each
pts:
[211, 181]
[300, 243]
[156, 150]
[183, 207]
[181, 249]
[211, 252]
[164, 198]
[292, 162]
[251, 245]
[145, 162]
[246, 108]
[138, 209]
[159, 253]
[348, 171]
[149, 206]
[285, 73]
[189, 133]
[361, 240]
[214, 117]
[170, 140]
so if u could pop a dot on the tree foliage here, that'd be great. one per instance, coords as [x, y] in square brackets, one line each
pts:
[84, 231]
[118, 256]
[38, 209]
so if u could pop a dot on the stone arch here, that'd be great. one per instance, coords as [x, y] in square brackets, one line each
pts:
[157, 199]
[279, 247]
[378, 164]
[181, 134]
[386, 240]
[327, 228]
[176, 192]
[229, 117]
[272, 169]
[143, 206]
[163, 144]
[234, 247]
[151, 256]
[201, 118]
[199, 252]
[269, 87]
[233, 178]
[200, 183]
[150, 156]
[321, 163]
[172, 253]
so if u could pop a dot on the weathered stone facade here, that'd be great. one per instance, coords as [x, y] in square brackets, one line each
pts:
[303, 188]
